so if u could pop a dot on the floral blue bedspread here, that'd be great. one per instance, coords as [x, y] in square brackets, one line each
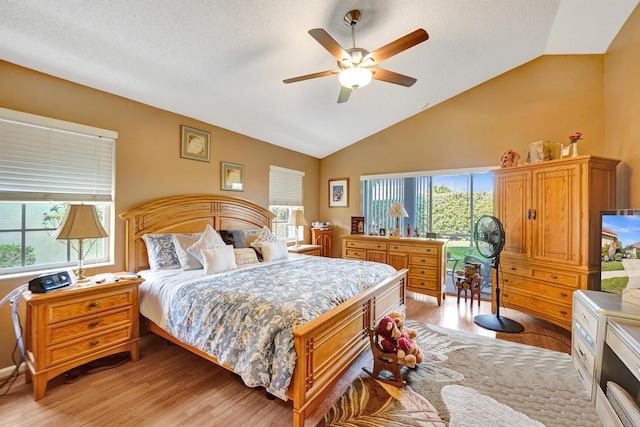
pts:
[244, 319]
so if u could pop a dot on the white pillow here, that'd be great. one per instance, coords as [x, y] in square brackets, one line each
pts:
[265, 236]
[209, 239]
[218, 259]
[274, 250]
[182, 242]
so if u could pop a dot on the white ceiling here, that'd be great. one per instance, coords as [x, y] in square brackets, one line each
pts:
[223, 62]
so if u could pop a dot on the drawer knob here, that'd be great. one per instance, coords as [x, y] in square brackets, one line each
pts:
[563, 294]
[513, 269]
[93, 324]
[582, 354]
[553, 276]
[94, 304]
[423, 260]
[563, 312]
[94, 343]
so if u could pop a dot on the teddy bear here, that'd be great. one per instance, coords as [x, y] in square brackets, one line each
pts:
[509, 158]
[389, 332]
[410, 348]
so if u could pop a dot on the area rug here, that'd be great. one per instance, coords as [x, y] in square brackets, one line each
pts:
[469, 380]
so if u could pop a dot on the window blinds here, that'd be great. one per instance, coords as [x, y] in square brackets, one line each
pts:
[285, 187]
[44, 159]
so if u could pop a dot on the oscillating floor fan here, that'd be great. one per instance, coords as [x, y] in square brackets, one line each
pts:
[489, 237]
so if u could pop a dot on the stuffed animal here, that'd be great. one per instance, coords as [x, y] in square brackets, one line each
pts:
[509, 158]
[406, 351]
[389, 333]
[410, 348]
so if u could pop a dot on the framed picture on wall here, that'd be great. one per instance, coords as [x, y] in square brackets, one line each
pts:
[339, 192]
[232, 176]
[196, 144]
[357, 225]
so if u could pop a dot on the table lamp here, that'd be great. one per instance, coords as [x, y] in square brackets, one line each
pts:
[396, 211]
[296, 219]
[80, 222]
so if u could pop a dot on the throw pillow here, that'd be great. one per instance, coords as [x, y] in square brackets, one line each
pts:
[264, 236]
[245, 256]
[182, 242]
[218, 259]
[274, 250]
[234, 237]
[209, 239]
[161, 252]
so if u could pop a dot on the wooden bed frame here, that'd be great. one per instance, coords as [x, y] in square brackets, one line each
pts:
[325, 347]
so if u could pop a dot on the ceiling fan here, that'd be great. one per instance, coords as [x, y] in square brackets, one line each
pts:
[357, 66]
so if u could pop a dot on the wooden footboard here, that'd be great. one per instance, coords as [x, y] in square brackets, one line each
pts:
[327, 346]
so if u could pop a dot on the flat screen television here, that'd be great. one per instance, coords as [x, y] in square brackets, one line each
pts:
[620, 246]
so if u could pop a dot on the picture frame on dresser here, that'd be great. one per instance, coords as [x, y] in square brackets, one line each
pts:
[231, 176]
[357, 225]
[339, 193]
[195, 144]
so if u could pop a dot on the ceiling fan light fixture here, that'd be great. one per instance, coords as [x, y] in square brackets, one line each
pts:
[356, 77]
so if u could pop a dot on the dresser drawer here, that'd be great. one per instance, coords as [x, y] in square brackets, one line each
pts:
[413, 249]
[88, 325]
[355, 253]
[544, 308]
[568, 279]
[74, 308]
[418, 282]
[366, 245]
[423, 260]
[582, 352]
[90, 344]
[587, 318]
[424, 272]
[556, 293]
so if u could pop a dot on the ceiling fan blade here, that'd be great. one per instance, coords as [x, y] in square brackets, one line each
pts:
[311, 76]
[330, 44]
[400, 45]
[344, 94]
[391, 77]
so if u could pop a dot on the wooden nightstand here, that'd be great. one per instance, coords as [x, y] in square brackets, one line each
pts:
[74, 325]
[313, 250]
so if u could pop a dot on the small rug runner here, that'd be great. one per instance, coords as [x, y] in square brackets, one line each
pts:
[470, 380]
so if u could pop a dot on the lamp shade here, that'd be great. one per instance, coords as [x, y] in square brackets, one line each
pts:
[297, 218]
[397, 210]
[80, 222]
[356, 77]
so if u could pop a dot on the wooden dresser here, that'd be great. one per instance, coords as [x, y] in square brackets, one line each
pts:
[551, 217]
[322, 237]
[424, 258]
[71, 326]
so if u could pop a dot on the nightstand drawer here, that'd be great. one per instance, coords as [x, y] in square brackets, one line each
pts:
[586, 317]
[582, 352]
[423, 260]
[88, 325]
[90, 344]
[74, 308]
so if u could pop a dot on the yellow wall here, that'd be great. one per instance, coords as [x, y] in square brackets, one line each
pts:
[148, 162]
[549, 98]
[622, 109]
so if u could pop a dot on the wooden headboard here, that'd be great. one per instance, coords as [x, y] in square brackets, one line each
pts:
[187, 214]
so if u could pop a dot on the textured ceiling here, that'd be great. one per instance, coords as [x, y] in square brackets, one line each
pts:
[223, 62]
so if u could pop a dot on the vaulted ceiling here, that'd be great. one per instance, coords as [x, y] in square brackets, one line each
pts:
[224, 62]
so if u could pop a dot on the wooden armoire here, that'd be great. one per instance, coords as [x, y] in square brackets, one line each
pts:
[550, 212]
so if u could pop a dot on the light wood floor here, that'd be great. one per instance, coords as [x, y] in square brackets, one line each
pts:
[169, 386]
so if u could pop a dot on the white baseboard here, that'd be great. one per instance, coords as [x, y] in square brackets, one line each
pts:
[4, 372]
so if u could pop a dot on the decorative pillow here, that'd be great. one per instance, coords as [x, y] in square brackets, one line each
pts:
[161, 251]
[234, 237]
[264, 236]
[182, 242]
[274, 250]
[245, 256]
[218, 259]
[209, 239]
[250, 236]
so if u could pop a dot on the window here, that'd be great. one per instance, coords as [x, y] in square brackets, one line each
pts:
[44, 164]
[447, 203]
[285, 195]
